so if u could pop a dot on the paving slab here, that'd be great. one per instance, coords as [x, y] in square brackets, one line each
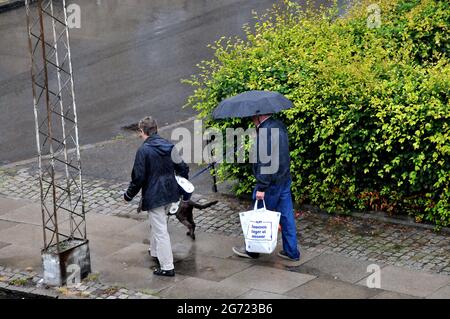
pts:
[22, 257]
[210, 268]
[182, 249]
[443, 293]
[104, 246]
[392, 295]
[272, 260]
[322, 288]
[215, 245]
[135, 255]
[414, 283]
[259, 294]
[2, 244]
[136, 233]
[6, 224]
[339, 267]
[7, 205]
[268, 279]
[109, 226]
[29, 214]
[183, 246]
[197, 288]
[141, 278]
[141, 230]
[24, 235]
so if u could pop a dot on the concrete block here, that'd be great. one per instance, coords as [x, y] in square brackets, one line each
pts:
[70, 265]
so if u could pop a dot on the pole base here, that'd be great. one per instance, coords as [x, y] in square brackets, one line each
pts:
[68, 266]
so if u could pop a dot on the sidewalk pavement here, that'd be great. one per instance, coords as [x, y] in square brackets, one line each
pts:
[206, 268]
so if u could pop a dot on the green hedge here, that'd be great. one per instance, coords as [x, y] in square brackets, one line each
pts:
[371, 125]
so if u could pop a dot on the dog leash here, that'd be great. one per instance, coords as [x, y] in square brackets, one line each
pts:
[200, 172]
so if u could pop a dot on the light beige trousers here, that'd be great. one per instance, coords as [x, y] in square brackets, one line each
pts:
[160, 246]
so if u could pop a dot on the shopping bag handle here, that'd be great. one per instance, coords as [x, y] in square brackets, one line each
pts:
[256, 204]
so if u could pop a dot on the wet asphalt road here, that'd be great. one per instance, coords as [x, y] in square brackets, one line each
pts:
[129, 57]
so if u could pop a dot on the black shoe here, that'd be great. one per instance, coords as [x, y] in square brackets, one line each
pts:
[166, 273]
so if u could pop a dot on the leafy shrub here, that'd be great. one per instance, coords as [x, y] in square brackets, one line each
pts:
[370, 128]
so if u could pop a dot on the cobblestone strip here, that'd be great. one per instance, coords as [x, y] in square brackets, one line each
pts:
[379, 242]
[101, 196]
[361, 239]
[29, 283]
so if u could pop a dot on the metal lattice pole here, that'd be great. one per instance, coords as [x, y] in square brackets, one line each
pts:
[62, 201]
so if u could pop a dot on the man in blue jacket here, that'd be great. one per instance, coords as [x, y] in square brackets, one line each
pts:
[154, 170]
[273, 182]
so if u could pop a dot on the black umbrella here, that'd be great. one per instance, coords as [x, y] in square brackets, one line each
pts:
[252, 103]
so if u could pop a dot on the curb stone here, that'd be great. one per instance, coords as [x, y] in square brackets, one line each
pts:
[10, 5]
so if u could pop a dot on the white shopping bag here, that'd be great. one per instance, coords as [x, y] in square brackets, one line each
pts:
[260, 227]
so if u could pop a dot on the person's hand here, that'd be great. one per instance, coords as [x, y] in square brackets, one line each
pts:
[260, 195]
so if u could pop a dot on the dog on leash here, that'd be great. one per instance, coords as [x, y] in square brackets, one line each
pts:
[185, 214]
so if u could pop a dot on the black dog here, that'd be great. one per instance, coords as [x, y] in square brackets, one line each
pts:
[186, 217]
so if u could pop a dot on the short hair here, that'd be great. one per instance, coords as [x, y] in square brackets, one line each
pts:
[148, 125]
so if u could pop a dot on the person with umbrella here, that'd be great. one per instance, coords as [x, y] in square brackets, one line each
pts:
[272, 186]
